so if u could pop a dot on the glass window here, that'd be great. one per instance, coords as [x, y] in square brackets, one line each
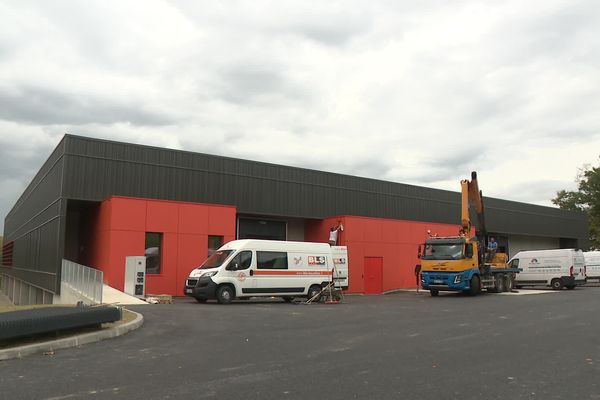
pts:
[271, 260]
[214, 244]
[217, 259]
[469, 250]
[153, 252]
[443, 251]
[243, 260]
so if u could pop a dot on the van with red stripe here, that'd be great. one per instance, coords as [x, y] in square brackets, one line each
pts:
[247, 268]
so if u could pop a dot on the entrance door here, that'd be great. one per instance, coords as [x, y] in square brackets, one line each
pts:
[373, 275]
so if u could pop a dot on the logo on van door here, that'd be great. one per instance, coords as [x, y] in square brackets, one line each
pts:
[316, 260]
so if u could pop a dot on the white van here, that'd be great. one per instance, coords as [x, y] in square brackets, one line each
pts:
[247, 268]
[592, 264]
[555, 268]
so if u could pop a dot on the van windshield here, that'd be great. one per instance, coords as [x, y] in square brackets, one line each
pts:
[216, 260]
[443, 251]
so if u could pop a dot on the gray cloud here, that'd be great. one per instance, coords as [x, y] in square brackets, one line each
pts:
[37, 105]
[413, 92]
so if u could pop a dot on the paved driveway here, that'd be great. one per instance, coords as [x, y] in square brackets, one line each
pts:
[400, 346]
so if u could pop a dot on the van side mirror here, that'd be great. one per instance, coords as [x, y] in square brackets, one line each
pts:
[232, 266]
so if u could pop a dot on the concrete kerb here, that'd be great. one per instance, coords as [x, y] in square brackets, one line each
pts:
[73, 341]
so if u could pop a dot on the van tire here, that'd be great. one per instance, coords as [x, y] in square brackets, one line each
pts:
[225, 294]
[556, 284]
[475, 286]
[434, 292]
[313, 291]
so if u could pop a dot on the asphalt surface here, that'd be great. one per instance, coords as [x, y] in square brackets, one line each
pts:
[399, 346]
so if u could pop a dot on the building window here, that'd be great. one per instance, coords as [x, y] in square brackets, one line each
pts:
[271, 260]
[153, 252]
[214, 244]
[7, 254]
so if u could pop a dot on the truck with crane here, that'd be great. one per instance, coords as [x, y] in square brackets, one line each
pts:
[463, 263]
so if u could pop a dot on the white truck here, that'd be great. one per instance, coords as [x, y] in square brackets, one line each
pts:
[556, 268]
[592, 263]
[247, 268]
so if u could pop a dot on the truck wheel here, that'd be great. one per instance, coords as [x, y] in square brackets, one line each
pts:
[556, 284]
[313, 291]
[434, 292]
[499, 284]
[200, 299]
[475, 286]
[225, 294]
[508, 283]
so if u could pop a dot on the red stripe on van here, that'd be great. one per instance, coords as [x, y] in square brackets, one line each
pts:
[283, 272]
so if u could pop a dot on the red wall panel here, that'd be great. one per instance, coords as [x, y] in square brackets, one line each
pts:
[122, 244]
[127, 214]
[162, 216]
[193, 219]
[395, 241]
[120, 231]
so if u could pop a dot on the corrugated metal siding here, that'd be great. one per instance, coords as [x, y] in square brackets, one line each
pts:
[104, 168]
[35, 226]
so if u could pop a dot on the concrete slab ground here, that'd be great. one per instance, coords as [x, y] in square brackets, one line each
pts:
[113, 296]
[397, 346]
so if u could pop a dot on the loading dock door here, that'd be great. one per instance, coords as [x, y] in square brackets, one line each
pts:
[373, 275]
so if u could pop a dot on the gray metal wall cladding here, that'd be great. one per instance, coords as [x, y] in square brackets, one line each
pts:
[35, 224]
[98, 169]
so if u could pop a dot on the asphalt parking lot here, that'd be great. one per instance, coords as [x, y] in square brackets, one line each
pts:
[398, 346]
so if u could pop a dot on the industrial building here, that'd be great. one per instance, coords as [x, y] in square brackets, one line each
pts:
[95, 202]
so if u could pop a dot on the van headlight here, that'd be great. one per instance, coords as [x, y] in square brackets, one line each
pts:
[209, 274]
[458, 279]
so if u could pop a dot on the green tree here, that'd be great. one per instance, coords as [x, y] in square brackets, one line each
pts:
[586, 199]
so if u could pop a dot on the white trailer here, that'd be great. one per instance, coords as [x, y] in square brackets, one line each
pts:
[248, 268]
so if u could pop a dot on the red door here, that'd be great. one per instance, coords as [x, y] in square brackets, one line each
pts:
[373, 275]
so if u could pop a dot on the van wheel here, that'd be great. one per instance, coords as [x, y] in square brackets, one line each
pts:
[570, 287]
[508, 283]
[225, 294]
[434, 292]
[475, 286]
[288, 299]
[314, 290]
[556, 284]
[200, 299]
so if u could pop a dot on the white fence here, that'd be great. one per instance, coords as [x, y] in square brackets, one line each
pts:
[82, 282]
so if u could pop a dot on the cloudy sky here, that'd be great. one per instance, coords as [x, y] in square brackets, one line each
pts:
[418, 92]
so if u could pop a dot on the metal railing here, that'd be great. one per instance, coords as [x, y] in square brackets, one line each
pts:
[85, 281]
